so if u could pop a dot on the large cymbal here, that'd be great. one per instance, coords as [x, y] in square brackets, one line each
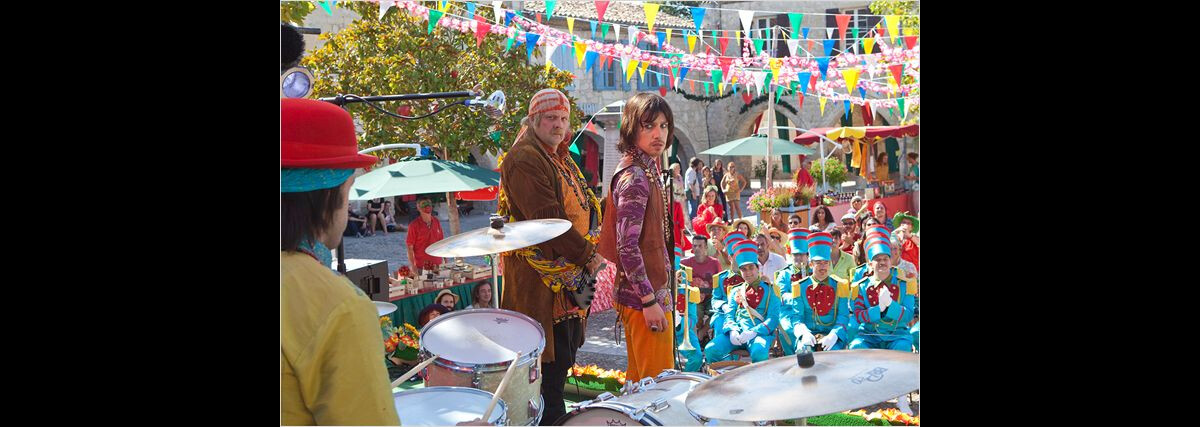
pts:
[514, 235]
[779, 389]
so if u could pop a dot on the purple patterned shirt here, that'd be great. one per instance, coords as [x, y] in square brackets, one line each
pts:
[631, 193]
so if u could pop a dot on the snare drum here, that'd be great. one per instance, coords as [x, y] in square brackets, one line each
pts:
[447, 406]
[655, 401]
[475, 348]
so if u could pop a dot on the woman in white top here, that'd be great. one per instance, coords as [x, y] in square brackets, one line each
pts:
[822, 219]
[482, 295]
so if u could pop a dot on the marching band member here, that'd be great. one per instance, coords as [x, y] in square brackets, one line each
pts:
[752, 312]
[818, 304]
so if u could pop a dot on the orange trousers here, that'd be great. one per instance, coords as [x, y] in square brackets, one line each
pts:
[649, 353]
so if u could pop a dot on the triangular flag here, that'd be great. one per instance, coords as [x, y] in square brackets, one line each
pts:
[691, 43]
[570, 25]
[829, 33]
[897, 72]
[604, 31]
[804, 31]
[779, 93]
[747, 16]
[617, 32]
[829, 44]
[903, 111]
[874, 110]
[707, 88]
[508, 16]
[508, 44]
[643, 65]
[908, 32]
[434, 16]
[866, 114]
[842, 22]
[892, 22]
[862, 92]
[445, 5]
[538, 16]
[812, 83]
[481, 31]
[800, 100]
[651, 13]
[470, 9]
[870, 60]
[774, 63]
[846, 108]
[868, 45]
[630, 65]
[531, 40]
[892, 111]
[746, 97]
[760, 79]
[724, 62]
[717, 76]
[549, 54]
[758, 45]
[910, 41]
[850, 75]
[767, 81]
[792, 45]
[593, 24]
[720, 88]
[668, 35]
[737, 35]
[601, 6]
[498, 11]
[803, 78]
[683, 73]
[550, 4]
[823, 64]
[794, 19]
[698, 16]
[328, 6]
[633, 33]
[662, 90]
[384, 5]
[495, 136]
[854, 42]
[810, 47]
[580, 50]
[822, 100]
[722, 42]
[590, 59]
[692, 85]
[661, 37]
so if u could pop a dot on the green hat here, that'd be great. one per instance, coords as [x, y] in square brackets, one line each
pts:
[902, 215]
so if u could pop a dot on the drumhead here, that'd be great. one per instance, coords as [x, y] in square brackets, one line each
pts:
[482, 336]
[446, 406]
[603, 414]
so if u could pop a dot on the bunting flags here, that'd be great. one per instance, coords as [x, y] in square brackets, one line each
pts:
[851, 77]
[866, 114]
[717, 76]
[661, 37]
[550, 4]
[846, 108]
[829, 44]
[822, 101]
[630, 64]
[434, 16]
[508, 16]
[794, 19]
[842, 21]
[580, 52]
[823, 64]
[643, 65]
[868, 45]
[747, 16]
[910, 41]
[617, 32]
[651, 13]
[829, 33]
[800, 100]
[854, 42]
[590, 59]
[601, 6]
[722, 42]
[633, 32]
[549, 54]
[531, 40]
[593, 24]
[470, 8]
[481, 30]
[903, 111]
[384, 5]
[691, 43]
[570, 25]
[804, 31]
[498, 11]
[892, 22]
[792, 45]
[897, 72]
[698, 16]
[803, 78]
[604, 31]
[668, 37]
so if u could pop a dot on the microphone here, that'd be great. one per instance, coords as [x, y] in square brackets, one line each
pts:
[804, 356]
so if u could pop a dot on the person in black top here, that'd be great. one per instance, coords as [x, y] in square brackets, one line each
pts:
[375, 215]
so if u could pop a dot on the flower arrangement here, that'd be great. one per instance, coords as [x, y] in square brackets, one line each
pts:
[768, 198]
[803, 195]
[596, 378]
[402, 343]
[889, 416]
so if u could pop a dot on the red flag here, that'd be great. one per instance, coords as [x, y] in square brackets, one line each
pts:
[662, 90]
[725, 62]
[896, 72]
[842, 22]
[868, 118]
[910, 41]
[723, 41]
[692, 83]
[481, 31]
[800, 99]
[746, 98]
[538, 16]
[601, 6]
[812, 85]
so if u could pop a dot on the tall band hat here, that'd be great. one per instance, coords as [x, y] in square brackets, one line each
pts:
[746, 253]
[877, 241]
[731, 240]
[797, 240]
[820, 246]
[678, 256]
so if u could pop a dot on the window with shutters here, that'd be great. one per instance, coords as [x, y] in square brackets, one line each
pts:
[764, 29]
[564, 59]
[864, 20]
[610, 77]
[650, 80]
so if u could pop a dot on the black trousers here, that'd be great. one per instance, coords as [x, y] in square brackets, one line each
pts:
[568, 337]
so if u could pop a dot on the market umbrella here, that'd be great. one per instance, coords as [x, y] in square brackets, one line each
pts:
[420, 175]
[757, 146]
[858, 132]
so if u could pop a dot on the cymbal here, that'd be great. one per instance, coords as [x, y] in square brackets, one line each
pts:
[384, 308]
[779, 389]
[513, 235]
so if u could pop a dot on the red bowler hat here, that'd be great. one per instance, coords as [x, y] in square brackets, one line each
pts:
[318, 135]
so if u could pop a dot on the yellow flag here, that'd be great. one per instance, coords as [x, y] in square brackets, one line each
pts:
[775, 63]
[733, 80]
[580, 52]
[893, 22]
[642, 74]
[851, 77]
[908, 31]
[822, 99]
[739, 42]
[547, 65]
[651, 13]
[668, 36]
[869, 44]
[571, 26]
[629, 66]
[721, 90]
[691, 43]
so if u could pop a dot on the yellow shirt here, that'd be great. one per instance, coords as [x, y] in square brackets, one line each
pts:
[330, 350]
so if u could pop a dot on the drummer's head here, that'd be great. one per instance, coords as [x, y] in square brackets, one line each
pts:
[549, 116]
[318, 159]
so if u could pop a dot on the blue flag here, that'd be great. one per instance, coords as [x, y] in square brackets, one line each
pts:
[829, 47]
[470, 10]
[823, 63]
[661, 36]
[508, 15]
[803, 31]
[590, 59]
[531, 40]
[683, 72]
[803, 79]
[698, 16]
[593, 29]
[846, 106]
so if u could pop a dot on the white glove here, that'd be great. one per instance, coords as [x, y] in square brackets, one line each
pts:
[748, 336]
[735, 338]
[806, 336]
[885, 298]
[828, 341]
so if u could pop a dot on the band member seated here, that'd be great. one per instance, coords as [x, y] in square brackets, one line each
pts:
[723, 282]
[883, 304]
[797, 245]
[687, 296]
[818, 305]
[752, 313]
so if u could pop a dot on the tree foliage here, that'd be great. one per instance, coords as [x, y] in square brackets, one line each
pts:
[397, 56]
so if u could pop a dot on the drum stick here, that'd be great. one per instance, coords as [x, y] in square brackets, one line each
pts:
[413, 371]
[503, 383]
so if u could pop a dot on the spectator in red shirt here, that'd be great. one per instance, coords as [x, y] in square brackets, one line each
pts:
[803, 178]
[423, 231]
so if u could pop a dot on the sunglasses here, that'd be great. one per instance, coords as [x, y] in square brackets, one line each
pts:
[777, 239]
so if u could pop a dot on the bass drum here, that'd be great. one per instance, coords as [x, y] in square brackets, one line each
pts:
[657, 401]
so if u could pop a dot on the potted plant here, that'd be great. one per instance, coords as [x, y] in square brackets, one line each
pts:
[834, 173]
[769, 198]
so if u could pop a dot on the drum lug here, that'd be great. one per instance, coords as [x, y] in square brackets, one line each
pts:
[533, 409]
[477, 379]
[604, 396]
[659, 404]
[534, 372]
[667, 373]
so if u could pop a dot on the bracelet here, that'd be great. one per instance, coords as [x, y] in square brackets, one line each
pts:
[650, 304]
